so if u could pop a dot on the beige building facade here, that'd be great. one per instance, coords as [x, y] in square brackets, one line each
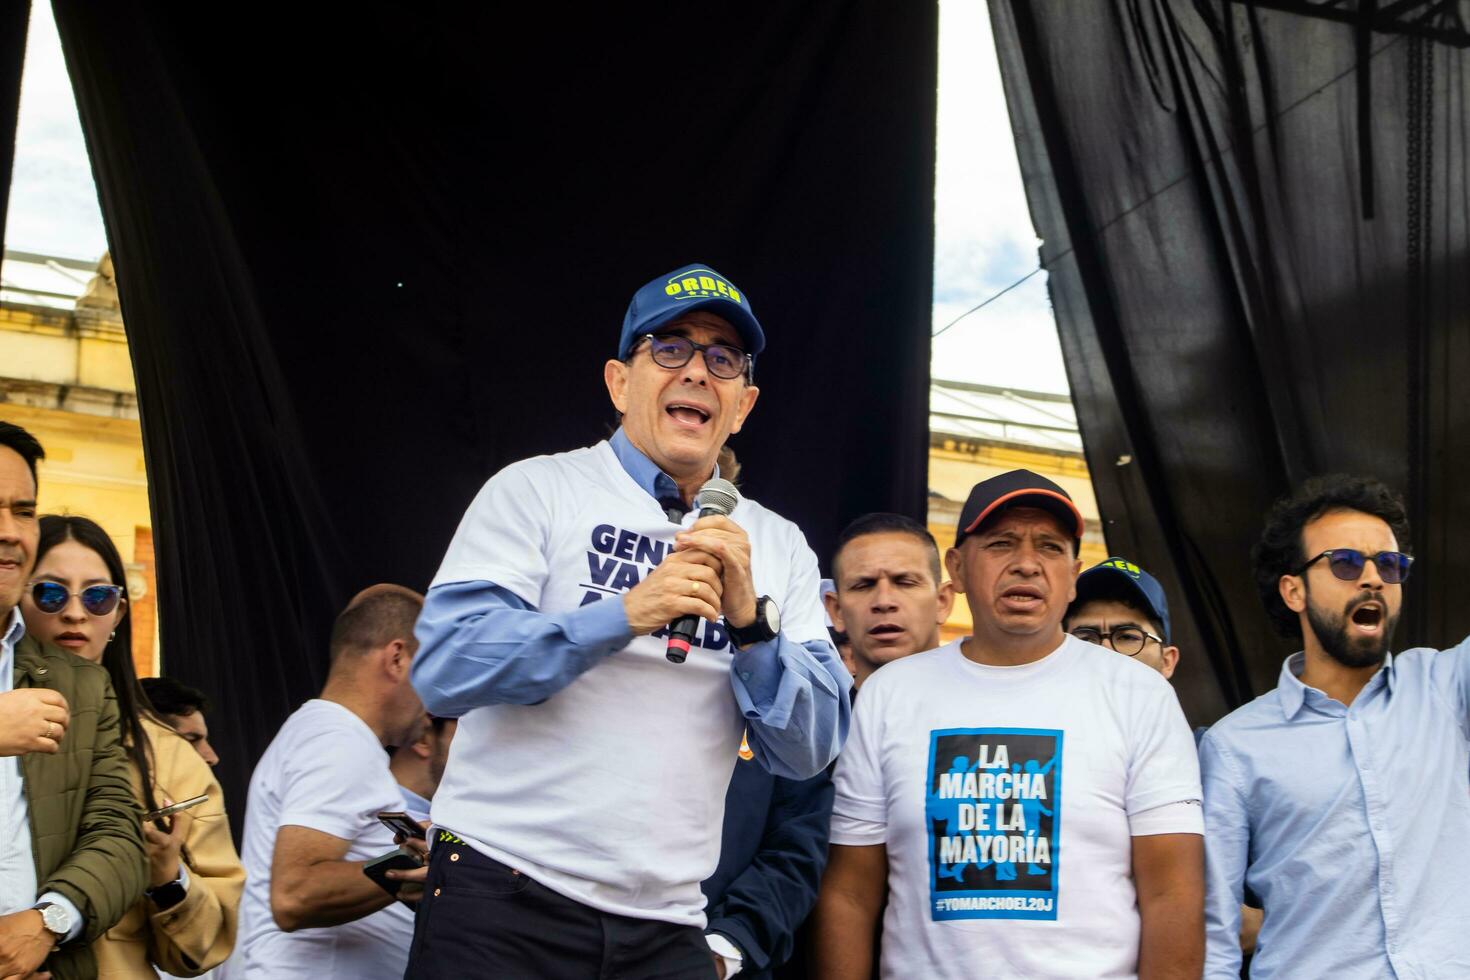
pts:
[67, 378]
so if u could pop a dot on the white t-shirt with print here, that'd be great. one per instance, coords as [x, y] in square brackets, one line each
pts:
[325, 770]
[1007, 798]
[611, 791]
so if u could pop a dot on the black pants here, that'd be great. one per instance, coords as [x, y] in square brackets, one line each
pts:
[479, 918]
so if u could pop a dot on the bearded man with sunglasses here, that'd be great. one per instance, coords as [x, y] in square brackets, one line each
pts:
[1339, 798]
[583, 801]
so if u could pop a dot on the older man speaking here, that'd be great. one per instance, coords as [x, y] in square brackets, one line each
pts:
[584, 796]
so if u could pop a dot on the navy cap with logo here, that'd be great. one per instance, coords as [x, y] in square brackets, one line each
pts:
[694, 287]
[1119, 577]
[1018, 488]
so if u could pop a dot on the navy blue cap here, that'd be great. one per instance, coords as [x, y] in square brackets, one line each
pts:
[694, 287]
[1104, 580]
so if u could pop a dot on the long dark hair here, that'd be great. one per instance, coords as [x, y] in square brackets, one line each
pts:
[117, 656]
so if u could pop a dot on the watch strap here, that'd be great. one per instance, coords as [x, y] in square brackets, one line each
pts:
[757, 631]
[167, 895]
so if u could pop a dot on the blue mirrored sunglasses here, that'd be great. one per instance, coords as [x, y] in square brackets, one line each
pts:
[97, 600]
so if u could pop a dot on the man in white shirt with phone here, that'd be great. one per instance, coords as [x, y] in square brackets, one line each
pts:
[311, 823]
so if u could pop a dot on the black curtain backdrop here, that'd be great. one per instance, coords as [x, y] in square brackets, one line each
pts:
[13, 19]
[367, 258]
[1256, 224]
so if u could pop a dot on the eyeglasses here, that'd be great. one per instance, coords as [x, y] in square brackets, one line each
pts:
[1127, 640]
[1347, 564]
[722, 360]
[97, 600]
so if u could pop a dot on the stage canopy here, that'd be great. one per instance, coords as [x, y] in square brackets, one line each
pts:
[369, 256]
[1257, 225]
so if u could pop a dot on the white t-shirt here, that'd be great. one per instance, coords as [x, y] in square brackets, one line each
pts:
[325, 770]
[612, 790]
[1007, 797]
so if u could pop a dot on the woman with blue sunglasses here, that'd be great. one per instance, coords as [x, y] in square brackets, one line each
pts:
[77, 599]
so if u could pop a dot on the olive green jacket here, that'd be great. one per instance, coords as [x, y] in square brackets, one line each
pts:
[85, 829]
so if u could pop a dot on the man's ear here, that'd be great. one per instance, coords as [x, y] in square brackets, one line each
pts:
[1171, 660]
[615, 376]
[954, 564]
[396, 660]
[1293, 590]
[747, 402]
[946, 601]
[829, 599]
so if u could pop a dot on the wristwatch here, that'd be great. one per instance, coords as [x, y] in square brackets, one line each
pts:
[167, 895]
[56, 918]
[766, 626]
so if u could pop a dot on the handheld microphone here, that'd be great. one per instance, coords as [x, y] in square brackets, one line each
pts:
[715, 497]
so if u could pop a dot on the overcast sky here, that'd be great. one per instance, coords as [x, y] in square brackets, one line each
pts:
[983, 235]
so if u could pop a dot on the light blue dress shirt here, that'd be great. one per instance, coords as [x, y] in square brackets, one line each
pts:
[1351, 824]
[17, 863]
[480, 644]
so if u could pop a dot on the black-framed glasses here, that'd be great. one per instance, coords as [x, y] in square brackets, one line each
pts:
[1347, 564]
[1127, 640]
[97, 600]
[722, 360]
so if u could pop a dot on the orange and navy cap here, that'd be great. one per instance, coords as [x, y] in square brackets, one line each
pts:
[1018, 488]
[693, 287]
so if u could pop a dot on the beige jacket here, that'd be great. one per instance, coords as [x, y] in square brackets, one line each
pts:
[199, 932]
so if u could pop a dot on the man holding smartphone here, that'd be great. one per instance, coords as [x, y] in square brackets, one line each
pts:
[309, 910]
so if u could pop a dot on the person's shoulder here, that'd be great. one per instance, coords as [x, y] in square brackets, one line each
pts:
[177, 767]
[914, 673]
[756, 517]
[1262, 710]
[85, 678]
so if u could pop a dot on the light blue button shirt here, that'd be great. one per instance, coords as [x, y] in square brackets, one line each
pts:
[793, 696]
[17, 864]
[1351, 824]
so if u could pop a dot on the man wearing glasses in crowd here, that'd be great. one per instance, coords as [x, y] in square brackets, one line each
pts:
[1121, 606]
[1339, 797]
[584, 796]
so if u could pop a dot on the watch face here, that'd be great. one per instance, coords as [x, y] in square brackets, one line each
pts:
[56, 919]
[772, 616]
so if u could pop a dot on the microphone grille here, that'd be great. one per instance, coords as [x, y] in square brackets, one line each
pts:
[718, 495]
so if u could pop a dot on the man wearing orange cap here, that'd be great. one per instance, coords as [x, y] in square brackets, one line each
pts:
[1027, 803]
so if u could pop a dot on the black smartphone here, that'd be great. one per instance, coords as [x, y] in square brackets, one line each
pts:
[401, 823]
[395, 860]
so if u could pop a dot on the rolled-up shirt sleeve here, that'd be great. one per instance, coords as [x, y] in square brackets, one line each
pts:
[794, 700]
[481, 644]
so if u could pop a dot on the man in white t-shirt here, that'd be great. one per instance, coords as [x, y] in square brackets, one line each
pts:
[1027, 803]
[584, 797]
[310, 822]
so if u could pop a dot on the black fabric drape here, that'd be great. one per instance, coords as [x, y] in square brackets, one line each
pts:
[366, 260]
[13, 20]
[1245, 295]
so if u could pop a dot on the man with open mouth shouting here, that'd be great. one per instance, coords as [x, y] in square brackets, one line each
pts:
[584, 796]
[1339, 798]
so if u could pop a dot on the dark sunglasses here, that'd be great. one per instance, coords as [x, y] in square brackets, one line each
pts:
[722, 360]
[98, 600]
[1347, 564]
